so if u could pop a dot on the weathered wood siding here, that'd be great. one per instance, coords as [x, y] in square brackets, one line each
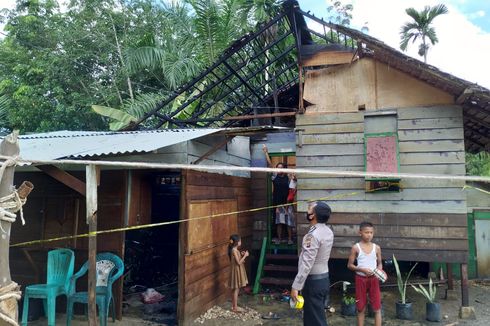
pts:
[236, 152]
[204, 263]
[426, 220]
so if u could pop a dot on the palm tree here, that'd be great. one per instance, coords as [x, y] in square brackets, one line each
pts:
[421, 28]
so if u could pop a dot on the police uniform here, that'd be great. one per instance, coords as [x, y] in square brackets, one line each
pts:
[312, 277]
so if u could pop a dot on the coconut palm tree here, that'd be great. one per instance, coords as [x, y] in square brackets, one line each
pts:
[421, 27]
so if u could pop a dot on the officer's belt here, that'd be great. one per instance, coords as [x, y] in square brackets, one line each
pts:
[317, 276]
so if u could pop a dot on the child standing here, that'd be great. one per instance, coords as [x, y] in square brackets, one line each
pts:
[368, 256]
[238, 275]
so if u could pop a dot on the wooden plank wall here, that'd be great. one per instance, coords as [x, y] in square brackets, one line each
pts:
[204, 263]
[426, 221]
[367, 83]
[235, 153]
[259, 193]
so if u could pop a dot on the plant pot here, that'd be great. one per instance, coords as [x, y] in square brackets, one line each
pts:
[404, 311]
[433, 311]
[348, 309]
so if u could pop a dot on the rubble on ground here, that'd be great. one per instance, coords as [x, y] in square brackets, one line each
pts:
[217, 312]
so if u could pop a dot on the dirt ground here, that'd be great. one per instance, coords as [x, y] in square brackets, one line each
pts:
[479, 299]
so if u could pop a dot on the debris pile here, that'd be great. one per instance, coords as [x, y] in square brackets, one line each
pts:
[152, 296]
[217, 312]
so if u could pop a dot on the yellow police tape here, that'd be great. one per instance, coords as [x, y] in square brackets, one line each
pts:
[152, 225]
[479, 189]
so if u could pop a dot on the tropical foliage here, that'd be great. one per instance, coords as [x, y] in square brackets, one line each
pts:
[420, 28]
[57, 59]
[402, 283]
[476, 164]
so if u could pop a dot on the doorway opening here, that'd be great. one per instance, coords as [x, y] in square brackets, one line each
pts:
[151, 255]
[290, 211]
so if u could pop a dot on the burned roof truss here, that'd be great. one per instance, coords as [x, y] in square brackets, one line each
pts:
[251, 77]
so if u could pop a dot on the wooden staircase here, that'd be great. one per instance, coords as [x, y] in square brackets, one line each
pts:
[276, 268]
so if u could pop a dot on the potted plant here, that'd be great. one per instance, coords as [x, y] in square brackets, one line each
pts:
[404, 309]
[432, 308]
[348, 305]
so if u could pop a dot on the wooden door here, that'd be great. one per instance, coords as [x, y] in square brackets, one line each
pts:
[203, 242]
[482, 242]
[206, 258]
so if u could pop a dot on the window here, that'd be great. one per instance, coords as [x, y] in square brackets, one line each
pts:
[381, 152]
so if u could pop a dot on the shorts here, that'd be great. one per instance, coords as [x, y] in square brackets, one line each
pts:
[285, 216]
[365, 285]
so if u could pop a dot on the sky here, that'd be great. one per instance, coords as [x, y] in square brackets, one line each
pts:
[464, 33]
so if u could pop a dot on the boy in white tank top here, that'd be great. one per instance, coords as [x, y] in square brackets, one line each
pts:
[368, 257]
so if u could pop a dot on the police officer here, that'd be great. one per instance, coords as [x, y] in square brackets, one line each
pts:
[312, 278]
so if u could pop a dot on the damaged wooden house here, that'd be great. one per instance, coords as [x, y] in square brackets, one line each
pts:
[133, 196]
[320, 96]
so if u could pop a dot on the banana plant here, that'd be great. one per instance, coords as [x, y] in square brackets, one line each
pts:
[120, 118]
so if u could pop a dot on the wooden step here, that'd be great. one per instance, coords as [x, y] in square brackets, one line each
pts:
[276, 281]
[281, 257]
[281, 268]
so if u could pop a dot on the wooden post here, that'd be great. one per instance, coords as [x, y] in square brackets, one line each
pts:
[450, 283]
[465, 301]
[8, 147]
[91, 180]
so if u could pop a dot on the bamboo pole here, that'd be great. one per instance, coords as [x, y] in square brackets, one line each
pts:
[8, 147]
[91, 179]
[222, 168]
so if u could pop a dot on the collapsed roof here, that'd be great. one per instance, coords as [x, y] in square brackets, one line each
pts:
[259, 75]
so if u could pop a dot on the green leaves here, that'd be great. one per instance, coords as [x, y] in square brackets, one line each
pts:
[122, 119]
[429, 293]
[421, 28]
[478, 164]
[402, 284]
[124, 55]
[348, 299]
[5, 105]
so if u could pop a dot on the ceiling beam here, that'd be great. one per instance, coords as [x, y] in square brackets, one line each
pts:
[64, 177]
[213, 150]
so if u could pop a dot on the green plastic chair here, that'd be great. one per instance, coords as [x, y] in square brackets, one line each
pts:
[61, 263]
[109, 268]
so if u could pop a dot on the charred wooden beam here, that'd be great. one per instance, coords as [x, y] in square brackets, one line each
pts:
[466, 94]
[225, 56]
[476, 120]
[247, 78]
[476, 131]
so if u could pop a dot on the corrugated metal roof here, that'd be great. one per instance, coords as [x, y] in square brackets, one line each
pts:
[79, 144]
